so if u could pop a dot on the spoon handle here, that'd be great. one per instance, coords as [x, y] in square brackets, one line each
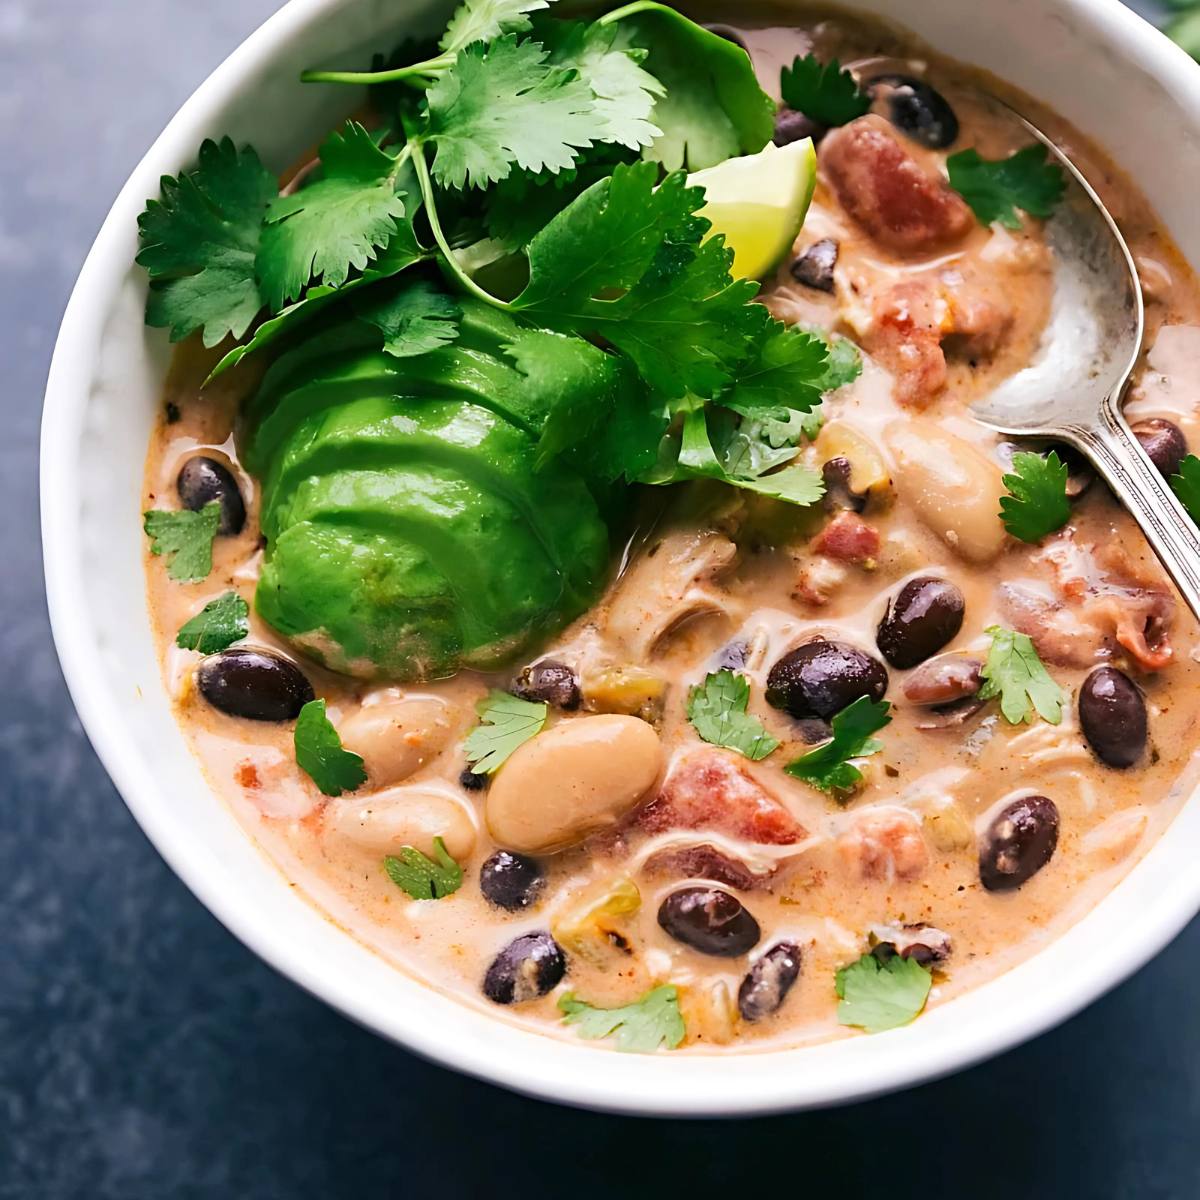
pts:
[1137, 483]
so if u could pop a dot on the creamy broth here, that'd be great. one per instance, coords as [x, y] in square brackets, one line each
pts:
[706, 569]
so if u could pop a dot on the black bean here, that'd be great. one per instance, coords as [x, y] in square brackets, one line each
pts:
[1164, 442]
[257, 684]
[528, 967]
[768, 982]
[814, 268]
[924, 616]
[709, 920]
[202, 480]
[1018, 843]
[731, 656]
[821, 678]
[839, 495]
[511, 881]
[792, 126]
[917, 110]
[472, 780]
[548, 682]
[1112, 714]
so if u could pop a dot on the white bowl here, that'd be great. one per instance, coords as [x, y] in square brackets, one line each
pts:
[1093, 61]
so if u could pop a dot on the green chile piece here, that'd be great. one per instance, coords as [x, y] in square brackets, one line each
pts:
[409, 530]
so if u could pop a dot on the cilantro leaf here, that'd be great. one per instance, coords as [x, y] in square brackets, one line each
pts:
[741, 462]
[186, 537]
[713, 108]
[877, 996]
[521, 205]
[651, 1021]
[413, 320]
[422, 877]
[219, 624]
[507, 723]
[1015, 674]
[843, 366]
[503, 103]
[1186, 485]
[786, 370]
[717, 711]
[320, 755]
[995, 189]
[199, 241]
[828, 767]
[622, 261]
[400, 253]
[336, 224]
[823, 92]
[483, 20]
[625, 94]
[1037, 503]
[573, 382]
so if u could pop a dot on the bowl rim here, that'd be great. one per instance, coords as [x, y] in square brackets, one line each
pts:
[585, 1077]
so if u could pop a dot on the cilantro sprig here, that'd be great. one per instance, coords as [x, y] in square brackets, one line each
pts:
[1186, 485]
[320, 754]
[1037, 502]
[717, 710]
[1014, 673]
[823, 92]
[422, 877]
[875, 996]
[506, 723]
[185, 538]
[522, 127]
[199, 242]
[651, 1021]
[828, 767]
[219, 624]
[338, 223]
[996, 188]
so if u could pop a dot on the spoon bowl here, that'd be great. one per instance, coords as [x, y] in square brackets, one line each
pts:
[1072, 391]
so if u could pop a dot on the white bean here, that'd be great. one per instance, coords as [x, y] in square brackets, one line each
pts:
[407, 816]
[954, 489]
[398, 737]
[571, 781]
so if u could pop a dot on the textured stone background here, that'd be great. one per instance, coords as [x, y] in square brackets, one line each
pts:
[145, 1055]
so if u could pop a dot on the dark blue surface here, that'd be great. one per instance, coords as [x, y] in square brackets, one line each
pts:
[145, 1055]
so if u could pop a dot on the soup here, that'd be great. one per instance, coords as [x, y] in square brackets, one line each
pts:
[826, 706]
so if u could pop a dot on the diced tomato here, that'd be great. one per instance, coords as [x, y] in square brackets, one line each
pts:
[883, 187]
[710, 791]
[847, 538]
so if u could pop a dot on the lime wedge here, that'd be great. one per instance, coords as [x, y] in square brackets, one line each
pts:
[759, 202]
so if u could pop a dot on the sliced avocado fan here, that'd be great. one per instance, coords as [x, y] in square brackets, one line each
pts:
[411, 528]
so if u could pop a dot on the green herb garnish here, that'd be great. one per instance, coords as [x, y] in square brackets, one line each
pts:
[1186, 485]
[320, 755]
[424, 878]
[508, 723]
[651, 1021]
[219, 624]
[823, 92]
[1037, 503]
[717, 711]
[199, 242]
[875, 996]
[828, 767]
[336, 224]
[186, 538]
[995, 189]
[1014, 672]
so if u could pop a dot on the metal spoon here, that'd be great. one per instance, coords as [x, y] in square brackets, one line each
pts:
[1073, 389]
